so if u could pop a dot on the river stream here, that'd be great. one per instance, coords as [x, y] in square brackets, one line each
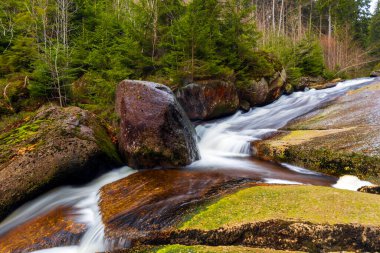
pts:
[224, 146]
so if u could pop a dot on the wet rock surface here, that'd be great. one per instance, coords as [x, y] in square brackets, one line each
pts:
[277, 234]
[340, 138]
[56, 228]
[57, 146]
[154, 129]
[370, 189]
[210, 99]
[158, 199]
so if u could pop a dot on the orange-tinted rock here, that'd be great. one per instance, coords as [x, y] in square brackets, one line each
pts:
[210, 99]
[154, 129]
[157, 199]
[56, 228]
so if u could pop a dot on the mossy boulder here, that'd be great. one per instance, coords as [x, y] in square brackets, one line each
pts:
[298, 218]
[209, 99]
[264, 90]
[154, 129]
[338, 139]
[57, 146]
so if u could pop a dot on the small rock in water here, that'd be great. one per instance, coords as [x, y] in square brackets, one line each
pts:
[370, 189]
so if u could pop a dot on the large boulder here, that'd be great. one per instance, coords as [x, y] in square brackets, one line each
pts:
[265, 90]
[154, 129]
[206, 100]
[57, 146]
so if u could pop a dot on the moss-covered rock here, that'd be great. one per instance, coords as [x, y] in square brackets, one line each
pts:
[340, 138]
[303, 218]
[56, 146]
[264, 90]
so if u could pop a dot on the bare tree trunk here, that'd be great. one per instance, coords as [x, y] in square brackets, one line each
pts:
[273, 15]
[281, 17]
[299, 20]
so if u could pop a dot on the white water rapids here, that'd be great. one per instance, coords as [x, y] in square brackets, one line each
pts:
[224, 143]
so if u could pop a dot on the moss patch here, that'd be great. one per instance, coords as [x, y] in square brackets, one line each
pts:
[298, 203]
[12, 139]
[207, 249]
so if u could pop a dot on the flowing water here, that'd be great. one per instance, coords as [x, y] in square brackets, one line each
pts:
[224, 145]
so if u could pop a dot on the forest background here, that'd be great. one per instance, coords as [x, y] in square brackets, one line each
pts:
[74, 52]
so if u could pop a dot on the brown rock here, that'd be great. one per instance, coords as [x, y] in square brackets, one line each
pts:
[210, 99]
[264, 91]
[157, 199]
[276, 86]
[255, 93]
[54, 229]
[154, 129]
[309, 82]
[277, 234]
[58, 146]
[370, 189]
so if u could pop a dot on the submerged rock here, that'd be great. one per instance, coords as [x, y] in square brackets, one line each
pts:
[57, 146]
[341, 138]
[154, 129]
[206, 100]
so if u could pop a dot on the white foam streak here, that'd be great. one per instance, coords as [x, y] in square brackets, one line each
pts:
[351, 183]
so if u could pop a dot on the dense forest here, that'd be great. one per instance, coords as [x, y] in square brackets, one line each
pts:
[76, 51]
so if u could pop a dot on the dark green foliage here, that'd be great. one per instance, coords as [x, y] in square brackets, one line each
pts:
[309, 58]
[174, 42]
[294, 75]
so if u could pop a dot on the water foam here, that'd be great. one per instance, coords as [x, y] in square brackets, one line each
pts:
[351, 183]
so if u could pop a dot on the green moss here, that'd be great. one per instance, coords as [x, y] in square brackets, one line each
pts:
[104, 142]
[303, 203]
[333, 162]
[11, 139]
[207, 249]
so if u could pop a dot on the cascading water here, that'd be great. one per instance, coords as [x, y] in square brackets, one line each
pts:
[83, 200]
[224, 144]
